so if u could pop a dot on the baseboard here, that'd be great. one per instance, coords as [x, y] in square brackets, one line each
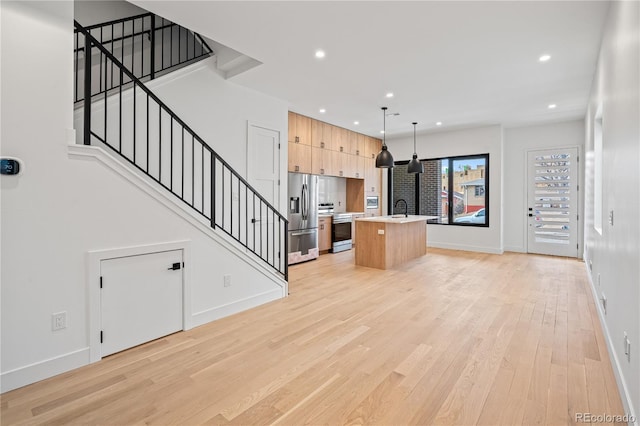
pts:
[515, 249]
[464, 247]
[204, 317]
[615, 361]
[41, 370]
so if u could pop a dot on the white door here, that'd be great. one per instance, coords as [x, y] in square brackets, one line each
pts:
[553, 202]
[263, 165]
[264, 162]
[141, 299]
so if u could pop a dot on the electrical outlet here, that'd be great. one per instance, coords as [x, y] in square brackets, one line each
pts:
[59, 321]
[227, 280]
[603, 299]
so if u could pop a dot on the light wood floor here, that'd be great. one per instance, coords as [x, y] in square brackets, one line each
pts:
[452, 338]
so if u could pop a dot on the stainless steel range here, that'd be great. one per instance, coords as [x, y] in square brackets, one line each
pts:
[340, 228]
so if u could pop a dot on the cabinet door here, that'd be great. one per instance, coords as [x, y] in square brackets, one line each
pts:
[327, 131]
[324, 234]
[339, 164]
[357, 166]
[353, 227]
[353, 143]
[372, 177]
[303, 129]
[361, 149]
[373, 147]
[336, 138]
[320, 134]
[292, 127]
[299, 158]
[322, 162]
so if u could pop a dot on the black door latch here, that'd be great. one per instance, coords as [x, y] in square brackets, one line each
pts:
[175, 266]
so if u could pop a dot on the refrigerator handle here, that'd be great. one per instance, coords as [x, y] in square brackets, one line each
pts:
[305, 200]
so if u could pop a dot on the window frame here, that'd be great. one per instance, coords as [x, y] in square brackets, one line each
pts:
[449, 190]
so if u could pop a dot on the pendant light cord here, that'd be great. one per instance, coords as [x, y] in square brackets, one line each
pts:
[414, 138]
[384, 126]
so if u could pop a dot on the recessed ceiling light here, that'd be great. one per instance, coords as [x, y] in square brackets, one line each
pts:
[389, 95]
[382, 132]
[322, 110]
[552, 106]
[320, 54]
[544, 58]
[439, 123]
[356, 122]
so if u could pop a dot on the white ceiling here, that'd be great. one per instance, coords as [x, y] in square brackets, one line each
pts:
[463, 63]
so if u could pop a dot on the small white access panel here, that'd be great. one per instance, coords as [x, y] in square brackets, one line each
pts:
[141, 299]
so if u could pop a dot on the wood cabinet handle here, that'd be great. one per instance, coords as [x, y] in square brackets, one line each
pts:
[321, 171]
[357, 152]
[297, 168]
[321, 144]
[341, 149]
[297, 139]
[321, 227]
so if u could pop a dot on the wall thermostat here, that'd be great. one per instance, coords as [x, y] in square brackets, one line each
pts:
[10, 166]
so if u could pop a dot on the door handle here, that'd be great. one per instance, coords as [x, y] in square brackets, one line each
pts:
[255, 220]
[174, 267]
[296, 234]
[530, 215]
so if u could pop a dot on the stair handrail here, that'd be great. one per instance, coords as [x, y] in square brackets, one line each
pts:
[206, 50]
[93, 42]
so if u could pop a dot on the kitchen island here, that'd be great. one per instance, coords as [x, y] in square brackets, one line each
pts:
[387, 241]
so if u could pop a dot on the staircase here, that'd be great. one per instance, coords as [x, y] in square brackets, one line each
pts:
[112, 61]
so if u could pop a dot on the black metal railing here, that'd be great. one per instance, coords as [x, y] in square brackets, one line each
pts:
[146, 44]
[137, 125]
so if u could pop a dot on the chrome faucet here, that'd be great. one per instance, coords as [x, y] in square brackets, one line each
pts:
[406, 207]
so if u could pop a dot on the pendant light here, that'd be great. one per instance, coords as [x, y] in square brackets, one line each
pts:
[384, 160]
[415, 166]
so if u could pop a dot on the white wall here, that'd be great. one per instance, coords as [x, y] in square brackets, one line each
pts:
[481, 140]
[615, 255]
[96, 11]
[60, 207]
[517, 142]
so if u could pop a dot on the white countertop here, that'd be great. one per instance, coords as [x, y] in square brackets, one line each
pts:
[397, 219]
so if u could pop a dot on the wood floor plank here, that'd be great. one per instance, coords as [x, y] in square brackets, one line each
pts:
[453, 337]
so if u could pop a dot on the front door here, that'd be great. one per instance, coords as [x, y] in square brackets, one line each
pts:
[141, 299]
[552, 211]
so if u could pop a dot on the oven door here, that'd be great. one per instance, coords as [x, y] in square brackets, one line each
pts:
[340, 236]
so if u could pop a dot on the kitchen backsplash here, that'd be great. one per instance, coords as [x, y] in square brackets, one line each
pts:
[333, 190]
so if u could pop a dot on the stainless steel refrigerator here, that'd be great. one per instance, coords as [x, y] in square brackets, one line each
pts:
[303, 217]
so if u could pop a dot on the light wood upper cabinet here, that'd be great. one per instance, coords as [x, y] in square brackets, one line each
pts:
[372, 177]
[321, 135]
[353, 143]
[373, 147]
[357, 166]
[299, 129]
[361, 149]
[299, 158]
[322, 162]
[332, 151]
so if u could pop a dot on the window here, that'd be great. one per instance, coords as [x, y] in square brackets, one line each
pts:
[597, 171]
[454, 189]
